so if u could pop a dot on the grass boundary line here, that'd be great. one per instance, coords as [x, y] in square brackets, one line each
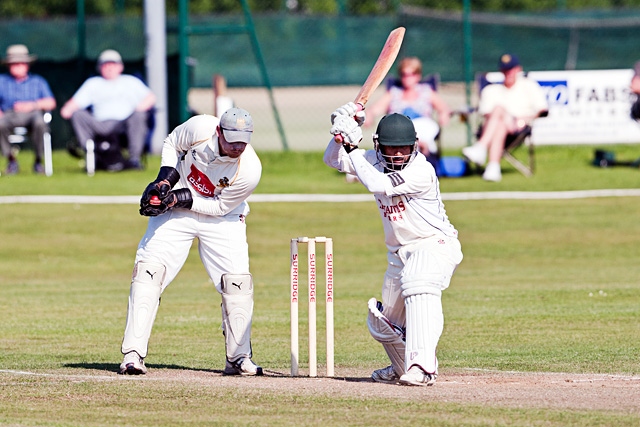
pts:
[337, 198]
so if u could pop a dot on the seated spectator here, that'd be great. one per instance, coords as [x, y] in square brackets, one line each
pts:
[507, 108]
[119, 104]
[417, 100]
[635, 88]
[23, 99]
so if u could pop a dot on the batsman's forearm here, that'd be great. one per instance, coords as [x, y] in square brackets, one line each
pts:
[374, 180]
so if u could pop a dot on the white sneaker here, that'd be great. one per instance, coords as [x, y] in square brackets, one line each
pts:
[475, 153]
[243, 366]
[385, 375]
[133, 364]
[492, 172]
[416, 376]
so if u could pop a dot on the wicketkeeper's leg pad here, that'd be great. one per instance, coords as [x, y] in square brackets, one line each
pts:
[144, 300]
[391, 336]
[237, 313]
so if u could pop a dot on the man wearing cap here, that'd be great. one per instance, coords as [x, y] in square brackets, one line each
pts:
[119, 103]
[23, 98]
[507, 108]
[208, 170]
[423, 249]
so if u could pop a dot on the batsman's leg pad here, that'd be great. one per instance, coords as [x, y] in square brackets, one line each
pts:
[425, 322]
[237, 313]
[144, 300]
[391, 336]
[430, 266]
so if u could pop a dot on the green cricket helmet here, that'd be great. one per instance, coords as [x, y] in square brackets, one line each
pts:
[395, 130]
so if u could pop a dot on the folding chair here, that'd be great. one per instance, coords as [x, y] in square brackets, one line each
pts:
[514, 140]
[111, 147]
[20, 135]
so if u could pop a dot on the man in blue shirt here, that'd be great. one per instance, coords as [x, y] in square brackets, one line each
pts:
[23, 98]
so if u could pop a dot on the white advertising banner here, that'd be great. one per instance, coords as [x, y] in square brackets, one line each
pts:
[586, 107]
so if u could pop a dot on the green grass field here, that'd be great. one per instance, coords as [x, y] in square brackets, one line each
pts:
[545, 286]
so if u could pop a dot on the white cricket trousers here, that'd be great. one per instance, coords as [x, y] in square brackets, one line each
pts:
[436, 255]
[222, 243]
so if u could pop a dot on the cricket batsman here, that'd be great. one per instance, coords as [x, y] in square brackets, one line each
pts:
[208, 170]
[423, 247]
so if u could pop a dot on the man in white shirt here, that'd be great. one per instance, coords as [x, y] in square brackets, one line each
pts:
[208, 170]
[507, 108]
[119, 102]
[423, 249]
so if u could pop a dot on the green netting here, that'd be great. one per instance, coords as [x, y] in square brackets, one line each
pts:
[303, 50]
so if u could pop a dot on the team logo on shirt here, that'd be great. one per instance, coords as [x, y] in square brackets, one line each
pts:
[396, 179]
[200, 182]
[223, 182]
[392, 212]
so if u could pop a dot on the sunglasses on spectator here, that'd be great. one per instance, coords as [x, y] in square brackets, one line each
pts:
[409, 73]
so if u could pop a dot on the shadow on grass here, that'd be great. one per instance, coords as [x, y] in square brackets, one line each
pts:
[116, 367]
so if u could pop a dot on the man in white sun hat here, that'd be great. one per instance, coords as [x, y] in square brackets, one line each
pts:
[23, 99]
[208, 170]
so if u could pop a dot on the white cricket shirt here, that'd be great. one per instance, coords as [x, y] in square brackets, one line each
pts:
[409, 200]
[219, 184]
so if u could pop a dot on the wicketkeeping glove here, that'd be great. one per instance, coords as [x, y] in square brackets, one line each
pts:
[349, 109]
[348, 128]
[180, 198]
[157, 191]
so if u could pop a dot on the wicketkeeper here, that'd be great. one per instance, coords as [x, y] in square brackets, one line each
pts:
[208, 170]
[423, 246]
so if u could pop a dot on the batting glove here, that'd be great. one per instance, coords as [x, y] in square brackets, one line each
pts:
[349, 109]
[349, 130]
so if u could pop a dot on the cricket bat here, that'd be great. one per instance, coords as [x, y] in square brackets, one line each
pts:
[380, 69]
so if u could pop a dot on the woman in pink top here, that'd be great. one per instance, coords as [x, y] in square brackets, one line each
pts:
[418, 101]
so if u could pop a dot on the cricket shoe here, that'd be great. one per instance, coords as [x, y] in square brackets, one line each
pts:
[243, 366]
[475, 153]
[416, 376]
[385, 375]
[133, 364]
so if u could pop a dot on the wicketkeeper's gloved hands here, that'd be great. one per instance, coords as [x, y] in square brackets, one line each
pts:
[349, 109]
[349, 129]
[180, 198]
[157, 191]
